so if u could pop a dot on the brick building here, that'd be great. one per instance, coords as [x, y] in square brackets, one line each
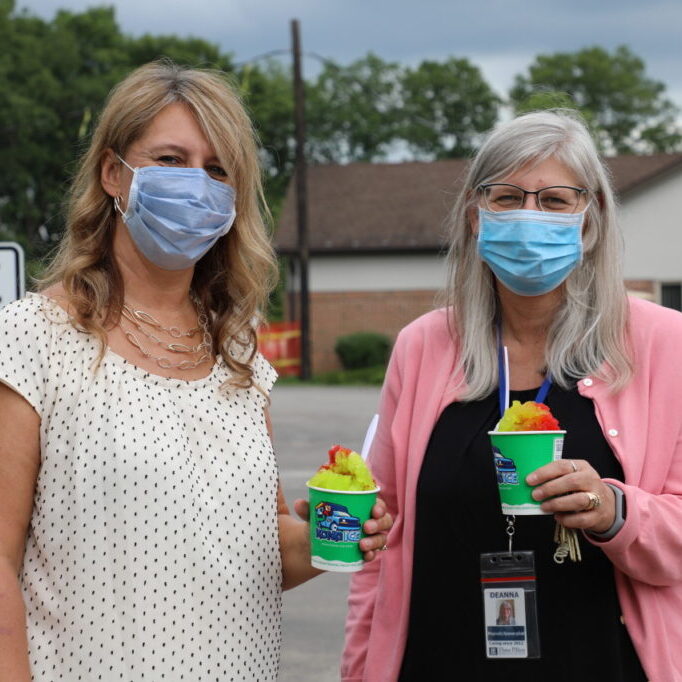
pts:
[378, 237]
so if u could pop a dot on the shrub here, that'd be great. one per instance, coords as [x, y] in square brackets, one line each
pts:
[363, 349]
[365, 376]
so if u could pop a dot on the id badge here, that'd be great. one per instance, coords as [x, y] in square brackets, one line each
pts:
[510, 617]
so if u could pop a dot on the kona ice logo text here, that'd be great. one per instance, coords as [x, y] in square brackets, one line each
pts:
[505, 468]
[335, 523]
[338, 535]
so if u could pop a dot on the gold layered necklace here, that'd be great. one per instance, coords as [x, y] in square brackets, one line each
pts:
[146, 324]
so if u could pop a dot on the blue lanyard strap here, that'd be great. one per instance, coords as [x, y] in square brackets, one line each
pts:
[544, 389]
[503, 378]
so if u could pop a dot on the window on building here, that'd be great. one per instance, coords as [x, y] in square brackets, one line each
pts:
[671, 296]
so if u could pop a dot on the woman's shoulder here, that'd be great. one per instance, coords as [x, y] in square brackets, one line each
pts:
[22, 309]
[31, 319]
[430, 329]
[649, 319]
[29, 333]
[655, 334]
[427, 336]
[33, 307]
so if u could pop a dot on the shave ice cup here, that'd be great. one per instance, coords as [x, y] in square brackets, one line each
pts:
[518, 452]
[341, 496]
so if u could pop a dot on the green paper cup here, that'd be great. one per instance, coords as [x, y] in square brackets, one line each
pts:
[516, 454]
[336, 518]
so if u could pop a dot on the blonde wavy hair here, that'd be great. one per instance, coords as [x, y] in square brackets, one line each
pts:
[235, 277]
[588, 335]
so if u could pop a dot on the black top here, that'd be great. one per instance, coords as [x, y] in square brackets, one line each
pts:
[459, 517]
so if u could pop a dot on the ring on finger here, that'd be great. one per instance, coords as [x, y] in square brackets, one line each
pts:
[594, 501]
[574, 465]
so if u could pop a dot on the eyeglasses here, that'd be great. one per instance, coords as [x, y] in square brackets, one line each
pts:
[556, 199]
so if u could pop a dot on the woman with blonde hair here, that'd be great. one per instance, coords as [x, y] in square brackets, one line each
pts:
[139, 497]
[534, 268]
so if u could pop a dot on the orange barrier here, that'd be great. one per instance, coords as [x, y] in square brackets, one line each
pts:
[280, 343]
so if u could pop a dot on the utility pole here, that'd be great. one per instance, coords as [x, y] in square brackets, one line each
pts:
[301, 200]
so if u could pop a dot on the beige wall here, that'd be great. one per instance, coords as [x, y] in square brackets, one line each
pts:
[366, 272]
[642, 288]
[652, 228]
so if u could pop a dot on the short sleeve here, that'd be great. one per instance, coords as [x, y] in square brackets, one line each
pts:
[25, 336]
[264, 374]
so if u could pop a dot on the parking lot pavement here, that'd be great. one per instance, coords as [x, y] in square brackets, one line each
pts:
[307, 420]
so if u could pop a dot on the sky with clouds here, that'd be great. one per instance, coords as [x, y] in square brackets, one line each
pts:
[500, 36]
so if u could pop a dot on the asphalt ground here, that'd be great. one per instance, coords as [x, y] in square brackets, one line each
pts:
[307, 420]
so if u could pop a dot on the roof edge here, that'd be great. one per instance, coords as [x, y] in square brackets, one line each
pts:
[674, 162]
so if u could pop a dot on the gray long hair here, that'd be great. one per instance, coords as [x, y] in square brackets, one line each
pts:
[588, 335]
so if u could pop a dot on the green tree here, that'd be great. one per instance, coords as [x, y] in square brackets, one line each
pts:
[628, 109]
[60, 71]
[352, 111]
[546, 99]
[551, 99]
[268, 92]
[363, 111]
[184, 51]
[446, 107]
[54, 78]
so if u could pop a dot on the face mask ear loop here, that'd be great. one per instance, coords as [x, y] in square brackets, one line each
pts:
[119, 199]
[122, 160]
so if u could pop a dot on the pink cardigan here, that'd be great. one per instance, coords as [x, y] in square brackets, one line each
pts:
[643, 425]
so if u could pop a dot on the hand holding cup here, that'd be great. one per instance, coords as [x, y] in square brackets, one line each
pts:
[572, 490]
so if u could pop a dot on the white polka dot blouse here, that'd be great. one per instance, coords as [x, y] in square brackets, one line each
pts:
[152, 551]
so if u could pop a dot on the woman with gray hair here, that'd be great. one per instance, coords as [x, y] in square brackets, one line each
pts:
[534, 267]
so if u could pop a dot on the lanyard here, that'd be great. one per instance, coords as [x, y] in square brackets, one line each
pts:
[502, 369]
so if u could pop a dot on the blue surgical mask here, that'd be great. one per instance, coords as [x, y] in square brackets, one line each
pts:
[175, 215]
[530, 252]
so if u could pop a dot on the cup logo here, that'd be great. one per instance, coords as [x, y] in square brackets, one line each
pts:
[335, 523]
[506, 468]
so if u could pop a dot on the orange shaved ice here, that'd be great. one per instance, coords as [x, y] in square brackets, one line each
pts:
[346, 470]
[529, 416]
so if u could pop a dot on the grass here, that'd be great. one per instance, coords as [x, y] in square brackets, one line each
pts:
[365, 376]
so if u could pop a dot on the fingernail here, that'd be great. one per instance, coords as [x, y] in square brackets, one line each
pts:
[371, 527]
[536, 495]
[531, 478]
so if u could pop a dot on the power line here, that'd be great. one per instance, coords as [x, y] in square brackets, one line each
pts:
[280, 53]
[261, 57]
